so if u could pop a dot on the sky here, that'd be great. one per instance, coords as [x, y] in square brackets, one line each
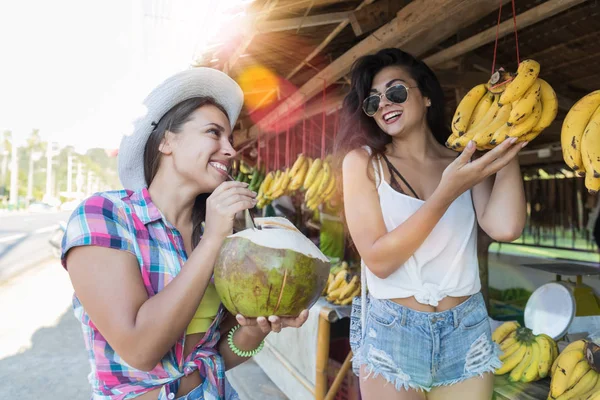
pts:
[78, 70]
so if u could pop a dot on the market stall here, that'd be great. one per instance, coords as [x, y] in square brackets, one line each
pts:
[295, 74]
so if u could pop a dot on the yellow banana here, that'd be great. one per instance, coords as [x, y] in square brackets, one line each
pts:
[526, 126]
[336, 293]
[451, 140]
[590, 153]
[531, 372]
[462, 141]
[527, 74]
[266, 184]
[510, 350]
[484, 136]
[348, 299]
[500, 135]
[564, 369]
[549, 106]
[509, 341]
[545, 356]
[329, 280]
[298, 164]
[504, 330]
[482, 107]
[582, 386]
[330, 187]
[462, 115]
[314, 169]
[525, 105]
[573, 127]
[298, 178]
[287, 177]
[512, 361]
[594, 392]
[350, 287]
[517, 373]
[579, 371]
[325, 179]
[337, 281]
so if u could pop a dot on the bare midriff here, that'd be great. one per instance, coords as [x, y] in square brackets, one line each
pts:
[446, 303]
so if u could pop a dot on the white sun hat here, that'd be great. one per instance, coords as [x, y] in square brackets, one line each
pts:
[196, 82]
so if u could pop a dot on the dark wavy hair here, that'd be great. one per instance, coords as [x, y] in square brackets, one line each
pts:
[173, 121]
[357, 129]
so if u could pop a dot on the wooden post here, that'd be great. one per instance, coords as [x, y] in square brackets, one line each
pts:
[322, 354]
[335, 386]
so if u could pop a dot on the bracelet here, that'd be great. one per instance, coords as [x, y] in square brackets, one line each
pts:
[239, 352]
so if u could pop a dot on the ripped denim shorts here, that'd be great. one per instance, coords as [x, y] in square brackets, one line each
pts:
[421, 350]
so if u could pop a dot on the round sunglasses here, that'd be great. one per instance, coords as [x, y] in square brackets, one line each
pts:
[397, 94]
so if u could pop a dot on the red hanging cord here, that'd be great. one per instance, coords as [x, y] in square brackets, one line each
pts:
[276, 146]
[516, 35]
[268, 158]
[287, 145]
[496, 43]
[514, 13]
[336, 124]
[304, 132]
[258, 148]
[323, 124]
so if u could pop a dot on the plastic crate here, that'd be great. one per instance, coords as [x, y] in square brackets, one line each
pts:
[349, 389]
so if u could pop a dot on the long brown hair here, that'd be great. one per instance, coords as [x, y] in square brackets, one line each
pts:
[357, 129]
[172, 121]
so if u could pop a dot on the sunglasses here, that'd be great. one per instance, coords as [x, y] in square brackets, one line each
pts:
[397, 94]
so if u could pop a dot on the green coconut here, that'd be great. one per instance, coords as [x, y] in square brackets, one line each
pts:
[275, 270]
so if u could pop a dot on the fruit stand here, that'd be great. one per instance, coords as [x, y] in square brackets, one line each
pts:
[536, 91]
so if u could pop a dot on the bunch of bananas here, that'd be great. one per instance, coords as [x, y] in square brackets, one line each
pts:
[580, 139]
[314, 177]
[526, 356]
[319, 183]
[251, 175]
[572, 375]
[520, 106]
[341, 286]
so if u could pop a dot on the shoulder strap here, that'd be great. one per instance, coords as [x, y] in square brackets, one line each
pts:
[393, 171]
[377, 171]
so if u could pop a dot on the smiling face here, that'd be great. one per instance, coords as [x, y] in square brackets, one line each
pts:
[397, 119]
[200, 152]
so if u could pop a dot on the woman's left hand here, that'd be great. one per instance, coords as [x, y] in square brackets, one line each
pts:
[264, 325]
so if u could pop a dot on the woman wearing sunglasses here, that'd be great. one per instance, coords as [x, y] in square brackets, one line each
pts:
[412, 207]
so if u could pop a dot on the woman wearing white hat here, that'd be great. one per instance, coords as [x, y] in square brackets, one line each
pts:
[141, 263]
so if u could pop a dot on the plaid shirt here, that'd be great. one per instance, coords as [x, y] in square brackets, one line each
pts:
[129, 221]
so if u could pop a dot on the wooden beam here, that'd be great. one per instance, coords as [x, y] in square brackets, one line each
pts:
[315, 52]
[241, 49]
[529, 17]
[465, 79]
[417, 25]
[374, 15]
[300, 22]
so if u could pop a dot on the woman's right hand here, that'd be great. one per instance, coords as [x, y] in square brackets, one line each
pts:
[223, 204]
[463, 173]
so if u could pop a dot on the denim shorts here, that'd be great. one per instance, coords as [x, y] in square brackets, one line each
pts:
[421, 350]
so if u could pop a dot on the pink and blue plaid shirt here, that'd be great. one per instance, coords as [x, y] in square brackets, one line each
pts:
[129, 221]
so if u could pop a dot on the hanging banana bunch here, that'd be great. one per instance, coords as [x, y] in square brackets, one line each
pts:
[492, 112]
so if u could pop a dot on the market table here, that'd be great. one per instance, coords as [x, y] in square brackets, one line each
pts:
[506, 390]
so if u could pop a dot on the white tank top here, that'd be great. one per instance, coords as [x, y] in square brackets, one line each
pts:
[444, 265]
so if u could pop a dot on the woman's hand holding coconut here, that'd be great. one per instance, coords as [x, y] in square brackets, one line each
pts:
[222, 205]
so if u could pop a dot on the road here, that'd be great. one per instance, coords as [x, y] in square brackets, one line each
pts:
[24, 240]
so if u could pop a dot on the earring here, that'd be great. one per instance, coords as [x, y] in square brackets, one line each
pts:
[428, 103]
